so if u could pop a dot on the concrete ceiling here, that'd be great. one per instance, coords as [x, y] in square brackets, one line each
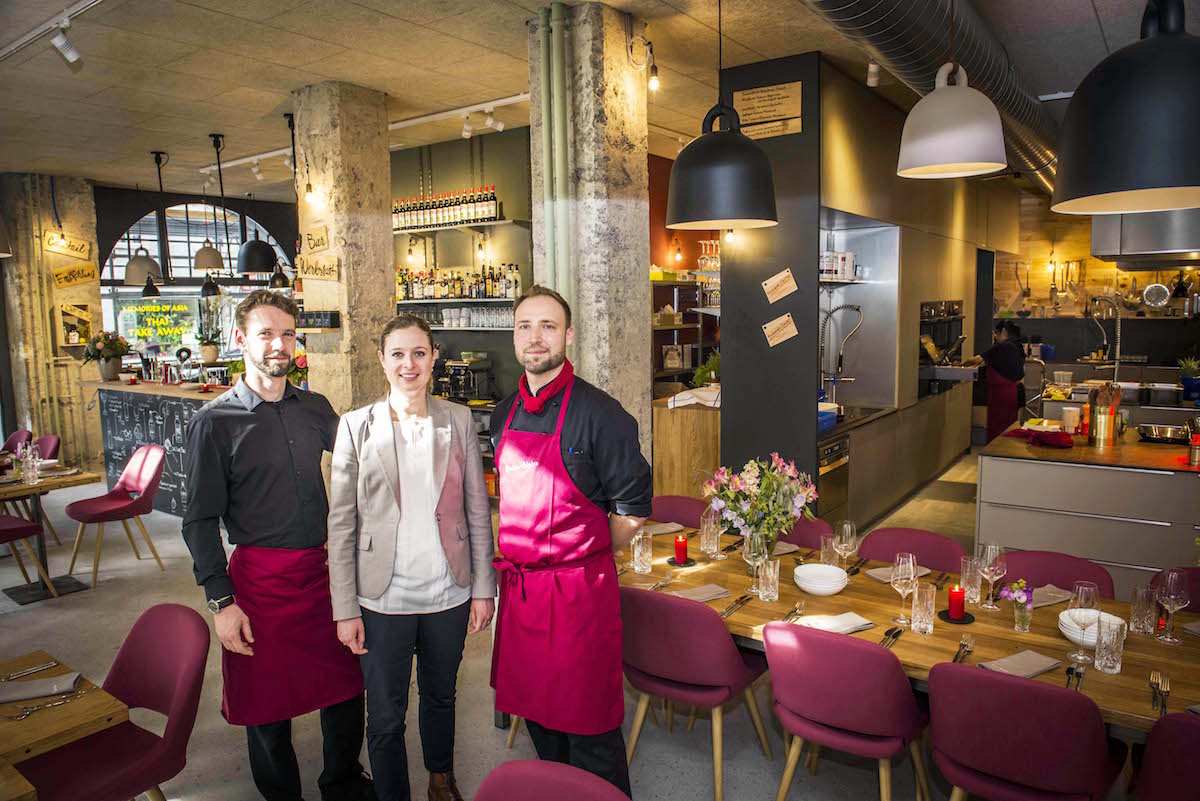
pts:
[163, 74]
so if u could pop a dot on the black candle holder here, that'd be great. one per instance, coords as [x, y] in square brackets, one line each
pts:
[671, 561]
[967, 617]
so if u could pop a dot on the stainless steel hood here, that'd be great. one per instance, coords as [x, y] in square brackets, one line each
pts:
[1139, 241]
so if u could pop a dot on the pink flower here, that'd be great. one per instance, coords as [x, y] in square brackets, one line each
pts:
[302, 362]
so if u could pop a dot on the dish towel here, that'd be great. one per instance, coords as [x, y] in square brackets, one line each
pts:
[37, 688]
[782, 548]
[654, 529]
[1049, 595]
[1193, 628]
[1050, 439]
[709, 592]
[1026, 664]
[884, 574]
[845, 623]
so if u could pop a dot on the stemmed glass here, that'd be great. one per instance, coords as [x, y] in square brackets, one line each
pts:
[1084, 602]
[754, 552]
[993, 566]
[1173, 595]
[710, 531]
[904, 581]
[845, 541]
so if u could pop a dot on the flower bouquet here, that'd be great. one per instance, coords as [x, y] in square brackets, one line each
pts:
[107, 347]
[1022, 599]
[298, 375]
[766, 497]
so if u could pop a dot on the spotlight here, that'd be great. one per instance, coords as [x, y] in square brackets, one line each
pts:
[493, 123]
[653, 84]
[872, 75]
[466, 132]
[62, 44]
[254, 168]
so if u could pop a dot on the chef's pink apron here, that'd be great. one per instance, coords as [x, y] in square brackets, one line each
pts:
[556, 659]
[298, 664]
[1001, 403]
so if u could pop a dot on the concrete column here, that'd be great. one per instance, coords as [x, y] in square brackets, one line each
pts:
[46, 375]
[342, 150]
[608, 203]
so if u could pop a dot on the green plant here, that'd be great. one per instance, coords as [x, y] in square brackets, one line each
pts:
[1189, 367]
[105, 345]
[209, 320]
[709, 371]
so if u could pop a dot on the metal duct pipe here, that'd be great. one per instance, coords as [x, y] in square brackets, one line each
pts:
[547, 157]
[912, 38]
[558, 83]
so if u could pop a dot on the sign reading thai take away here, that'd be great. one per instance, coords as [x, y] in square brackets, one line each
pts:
[317, 268]
[316, 239]
[779, 286]
[57, 242]
[781, 329]
[75, 274]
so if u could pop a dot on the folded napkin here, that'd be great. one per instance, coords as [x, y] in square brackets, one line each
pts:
[782, 548]
[884, 574]
[845, 623]
[58, 471]
[662, 528]
[1026, 664]
[1049, 595]
[1193, 628]
[36, 688]
[1050, 439]
[709, 592]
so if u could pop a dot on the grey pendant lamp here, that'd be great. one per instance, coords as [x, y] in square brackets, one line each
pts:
[1128, 140]
[142, 267]
[722, 179]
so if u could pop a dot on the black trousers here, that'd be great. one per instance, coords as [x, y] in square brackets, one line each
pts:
[273, 760]
[391, 640]
[601, 754]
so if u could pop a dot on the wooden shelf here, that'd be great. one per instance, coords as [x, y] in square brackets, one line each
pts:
[680, 327]
[714, 311]
[317, 330]
[841, 281]
[676, 283]
[439, 301]
[680, 371]
[466, 226]
[468, 328]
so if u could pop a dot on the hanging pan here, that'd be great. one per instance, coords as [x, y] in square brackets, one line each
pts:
[1156, 295]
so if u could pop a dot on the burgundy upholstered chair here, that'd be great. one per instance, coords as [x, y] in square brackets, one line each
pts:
[1040, 568]
[161, 667]
[18, 437]
[934, 551]
[677, 509]
[16, 529]
[807, 533]
[1170, 770]
[48, 445]
[680, 650]
[878, 720]
[538, 780]
[1058, 750]
[1193, 579]
[132, 497]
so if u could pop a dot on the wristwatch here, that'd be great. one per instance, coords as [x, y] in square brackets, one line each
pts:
[217, 604]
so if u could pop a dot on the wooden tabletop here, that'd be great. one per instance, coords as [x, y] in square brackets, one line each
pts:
[19, 489]
[1124, 699]
[1129, 451]
[155, 388]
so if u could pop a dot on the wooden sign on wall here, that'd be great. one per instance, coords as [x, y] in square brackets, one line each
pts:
[75, 274]
[57, 242]
[318, 268]
[316, 239]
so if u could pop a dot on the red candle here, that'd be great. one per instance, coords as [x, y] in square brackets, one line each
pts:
[958, 597]
[681, 556]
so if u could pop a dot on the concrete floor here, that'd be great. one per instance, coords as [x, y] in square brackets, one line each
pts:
[945, 505]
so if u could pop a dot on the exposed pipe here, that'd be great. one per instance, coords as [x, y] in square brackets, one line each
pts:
[547, 157]
[558, 81]
[912, 39]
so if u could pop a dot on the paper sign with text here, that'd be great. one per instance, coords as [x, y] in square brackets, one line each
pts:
[781, 329]
[75, 274]
[769, 129]
[316, 239]
[76, 311]
[317, 268]
[766, 103]
[56, 242]
[779, 286]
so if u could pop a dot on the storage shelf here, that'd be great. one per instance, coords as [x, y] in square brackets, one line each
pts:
[676, 283]
[840, 281]
[464, 226]
[681, 371]
[317, 330]
[714, 311]
[680, 327]
[467, 328]
[440, 301]
[944, 319]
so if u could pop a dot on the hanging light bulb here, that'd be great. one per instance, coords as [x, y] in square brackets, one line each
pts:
[678, 251]
[410, 256]
[479, 251]
[308, 193]
[729, 237]
[652, 84]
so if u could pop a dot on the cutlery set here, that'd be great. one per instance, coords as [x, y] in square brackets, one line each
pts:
[890, 636]
[29, 671]
[800, 559]
[941, 580]
[59, 700]
[797, 611]
[1075, 672]
[662, 582]
[1160, 690]
[736, 605]
[857, 566]
[966, 645]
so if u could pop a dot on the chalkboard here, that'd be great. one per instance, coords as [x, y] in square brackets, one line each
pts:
[129, 421]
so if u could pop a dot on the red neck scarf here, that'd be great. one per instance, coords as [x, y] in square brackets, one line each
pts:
[535, 403]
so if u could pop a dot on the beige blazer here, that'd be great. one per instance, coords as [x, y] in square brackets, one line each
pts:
[364, 504]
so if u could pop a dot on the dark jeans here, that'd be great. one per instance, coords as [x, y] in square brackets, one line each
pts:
[391, 640]
[601, 754]
[273, 760]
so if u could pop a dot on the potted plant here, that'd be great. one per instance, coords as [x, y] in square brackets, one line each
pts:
[709, 372]
[235, 369]
[1189, 376]
[107, 348]
[209, 328]
[1022, 601]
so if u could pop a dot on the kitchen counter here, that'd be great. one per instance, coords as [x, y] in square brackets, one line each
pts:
[854, 417]
[163, 390]
[687, 447]
[1130, 452]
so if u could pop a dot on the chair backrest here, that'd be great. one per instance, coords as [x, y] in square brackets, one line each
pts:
[538, 780]
[934, 551]
[48, 445]
[677, 509]
[814, 672]
[18, 437]
[807, 533]
[160, 666]
[1170, 770]
[1193, 580]
[1056, 743]
[142, 474]
[1040, 568]
[677, 639]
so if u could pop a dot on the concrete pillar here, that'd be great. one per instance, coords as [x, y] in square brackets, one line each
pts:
[342, 150]
[46, 373]
[608, 202]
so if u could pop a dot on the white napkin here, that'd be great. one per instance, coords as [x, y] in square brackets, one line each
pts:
[1026, 664]
[662, 528]
[709, 592]
[1049, 595]
[845, 623]
[1193, 628]
[784, 547]
[884, 574]
[36, 688]
[704, 396]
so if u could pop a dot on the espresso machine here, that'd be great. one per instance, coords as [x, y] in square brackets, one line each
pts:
[466, 379]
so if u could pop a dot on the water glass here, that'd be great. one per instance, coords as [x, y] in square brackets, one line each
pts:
[754, 553]
[828, 554]
[1110, 644]
[710, 532]
[1143, 607]
[768, 580]
[922, 608]
[970, 578]
[643, 551]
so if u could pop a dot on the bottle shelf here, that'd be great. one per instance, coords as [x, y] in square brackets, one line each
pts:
[714, 311]
[476, 227]
[467, 328]
[440, 301]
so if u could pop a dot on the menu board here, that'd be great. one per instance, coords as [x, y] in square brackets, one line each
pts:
[767, 111]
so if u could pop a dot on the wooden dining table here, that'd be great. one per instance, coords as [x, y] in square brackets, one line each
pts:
[17, 490]
[1124, 699]
[50, 728]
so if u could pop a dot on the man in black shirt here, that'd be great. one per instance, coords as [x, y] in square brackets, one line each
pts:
[254, 461]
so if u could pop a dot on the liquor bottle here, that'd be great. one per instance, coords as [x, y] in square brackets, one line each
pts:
[395, 214]
[445, 215]
[456, 209]
[408, 213]
[401, 207]
[516, 281]
[489, 283]
[420, 211]
[470, 204]
[491, 202]
[458, 285]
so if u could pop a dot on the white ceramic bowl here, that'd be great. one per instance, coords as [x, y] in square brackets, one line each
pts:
[1085, 638]
[46, 464]
[817, 579]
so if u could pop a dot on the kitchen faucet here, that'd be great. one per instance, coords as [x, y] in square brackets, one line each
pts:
[833, 378]
[1117, 311]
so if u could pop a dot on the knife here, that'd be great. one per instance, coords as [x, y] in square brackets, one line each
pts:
[961, 647]
[731, 548]
[736, 605]
[938, 583]
[895, 637]
[856, 568]
[1079, 671]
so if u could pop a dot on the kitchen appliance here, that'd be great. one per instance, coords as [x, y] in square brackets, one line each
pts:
[1158, 237]
[1155, 432]
[466, 379]
[833, 478]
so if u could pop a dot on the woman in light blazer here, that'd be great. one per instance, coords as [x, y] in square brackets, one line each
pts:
[410, 555]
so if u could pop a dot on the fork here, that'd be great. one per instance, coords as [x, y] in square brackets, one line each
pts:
[1155, 680]
[29, 710]
[1164, 689]
[970, 638]
[797, 611]
[962, 644]
[664, 581]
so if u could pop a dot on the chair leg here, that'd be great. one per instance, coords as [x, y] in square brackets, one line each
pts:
[129, 534]
[653, 714]
[958, 794]
[691, 719]
[25, 505]
[40, 569]
[789, 769]
[885, 780]
[669, 714]
[96, 558]
[718, 738]
[512, 731]
[814, 753]
[155, 794]
[12, 547]
[75, 549]
[752, 705]
[918, 759]
[638, 720]
[146, 536]
[50, 527]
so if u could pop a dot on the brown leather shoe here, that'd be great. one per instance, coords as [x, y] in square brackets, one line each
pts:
[442, 787]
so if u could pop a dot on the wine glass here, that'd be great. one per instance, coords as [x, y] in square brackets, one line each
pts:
[754, 552]
[1081, 608]
[904, 581]
[845, 539]
[1173, 595]
[710, 531]
[993, 566]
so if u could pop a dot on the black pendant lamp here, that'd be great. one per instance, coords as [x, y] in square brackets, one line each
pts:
[279, 279]
[1129, 137]
[256, 256]
[209, 288]
[150, 290]
[722, 179]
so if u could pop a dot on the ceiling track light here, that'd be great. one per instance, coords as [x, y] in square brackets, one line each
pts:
[62, 44]
[257, 170]
[873, 74]
[466, 131]
[492, 122]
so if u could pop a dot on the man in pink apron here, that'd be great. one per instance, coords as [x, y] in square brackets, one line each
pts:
[573, 486]
[254, 461]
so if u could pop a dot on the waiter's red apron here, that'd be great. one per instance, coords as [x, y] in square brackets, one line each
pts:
[556, 659]
[298, 664]
[1001, 403]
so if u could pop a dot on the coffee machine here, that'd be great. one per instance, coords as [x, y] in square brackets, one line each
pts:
[466, 379]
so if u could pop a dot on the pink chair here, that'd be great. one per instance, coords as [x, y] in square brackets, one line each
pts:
[132, 497]
[877, 715]
[1054, 746]
[161, 667]
[680, 650]
[677, 509]
[1193, 579]
[15, 529]
[537, 780]
[934, 551]
[19, 437]
[807, 533]
[1040, 568]
[1170, 770]
[48, 445]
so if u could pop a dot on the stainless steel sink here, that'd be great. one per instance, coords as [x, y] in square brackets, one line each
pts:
[947, 372]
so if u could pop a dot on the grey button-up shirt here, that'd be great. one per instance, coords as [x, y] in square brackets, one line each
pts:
[256, 466]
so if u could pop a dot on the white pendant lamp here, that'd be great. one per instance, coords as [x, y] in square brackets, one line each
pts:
[952, 132]
[141, 267]
[208, 258]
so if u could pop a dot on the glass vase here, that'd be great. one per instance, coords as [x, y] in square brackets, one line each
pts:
[1022, 617]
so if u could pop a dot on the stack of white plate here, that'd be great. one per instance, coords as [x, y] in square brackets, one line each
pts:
[817, 579]
[1084, 637]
